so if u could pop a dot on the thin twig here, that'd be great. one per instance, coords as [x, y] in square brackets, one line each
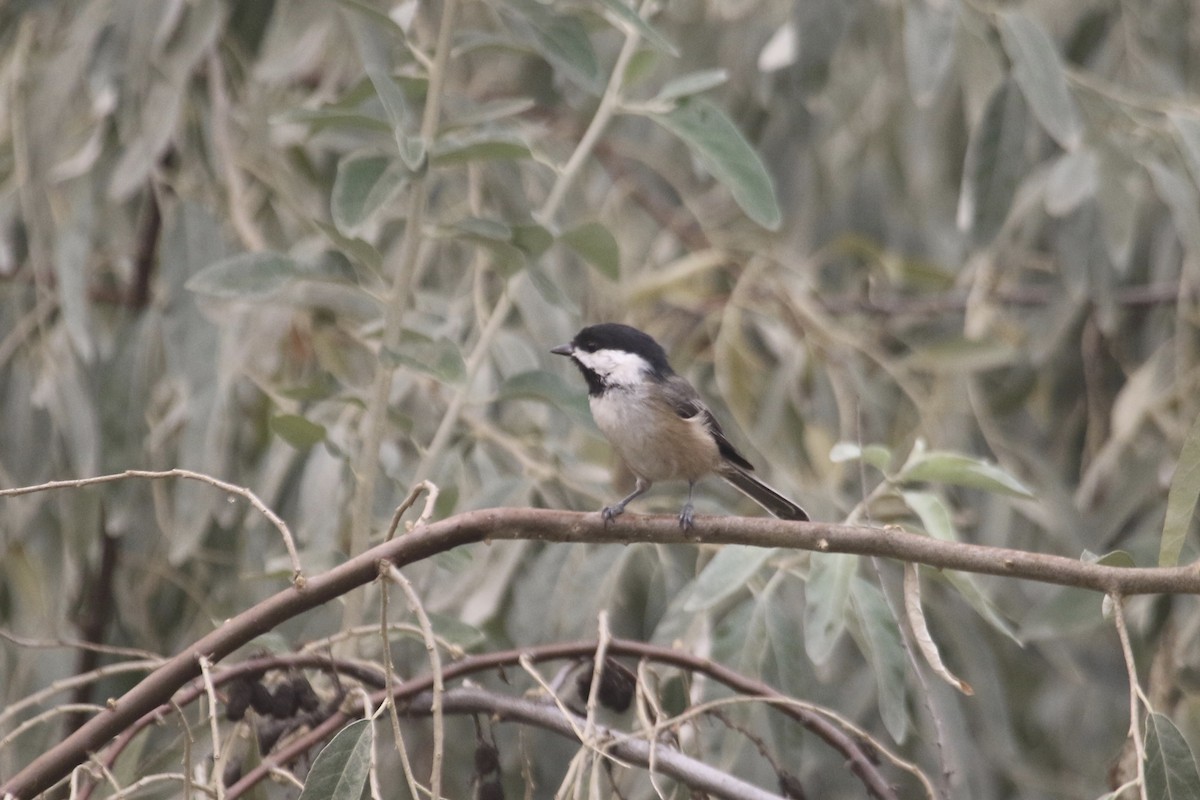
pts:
[390, 678]
[435, 666]
[426, 486]
[1135, 689]
[213, 729]
[240, 491]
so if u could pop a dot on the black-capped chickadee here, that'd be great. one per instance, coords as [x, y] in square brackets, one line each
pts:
[656, 421]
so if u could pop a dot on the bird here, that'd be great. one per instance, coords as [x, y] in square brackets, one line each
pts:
[657, 422]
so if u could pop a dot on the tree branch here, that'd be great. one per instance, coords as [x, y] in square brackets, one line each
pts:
[567, 526]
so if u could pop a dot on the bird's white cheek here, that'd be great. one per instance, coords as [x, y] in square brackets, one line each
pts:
[616, 367]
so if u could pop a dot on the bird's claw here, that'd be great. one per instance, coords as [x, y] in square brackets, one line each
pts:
[609, 513]
[686, 516]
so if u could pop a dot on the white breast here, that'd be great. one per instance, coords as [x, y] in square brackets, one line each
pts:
[651, 438]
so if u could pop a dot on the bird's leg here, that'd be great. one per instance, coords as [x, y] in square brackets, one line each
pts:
[685, 513]
[612, 512]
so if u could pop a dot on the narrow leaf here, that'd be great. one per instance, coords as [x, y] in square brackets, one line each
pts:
[460, 147]
[876, 455]
[826, 595]
[647, 31]
[882, 645]
[1170, 764]
[340, 769]
[725, 575]
[410, 146]
[1187, 129]
[942, 467]
[933, 513]
[920, 630]
[595, 244]
[1039, 72]
[692, 83]
[928, 46]
[297, 431]
[1179, 194]
[720, 147]
[936, 519]
[531, 239]
[363, 185]
[247, 276]
[1181, 499]
[438, 358]
[994, 164]
[1071, 181]
[560, 39]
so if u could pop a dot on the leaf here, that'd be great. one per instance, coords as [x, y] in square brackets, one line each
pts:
[916, 621]
[1187, 130]
[438, 358]
[1118, 197]
[492, 111]
[492, 235]
[363, 185]
[340, 769]
[1039, 72]
[560, 39]
[876, 455]
[647, 31]
[548, 387]
[352, 247]
[595, 244]
[1113, 558]
[882, 645]
[936, 520]
[1181, 499]
[725, 575]
[935, 517]
[532, 239]
[722, 150]
[246, 276]
[1073, 179]
[994, 164]
[928, 46]
[297, 431]
[72, 250]
[450, 627]
[1179, 194]
[784, 594]
[410, 146]
[318, 119]
[1170, 764]
[459, 147]
[956, 354]
[691, 83]
[826, 595]
[942, 467]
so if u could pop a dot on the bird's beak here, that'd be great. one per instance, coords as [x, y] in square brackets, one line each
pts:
[562, 350]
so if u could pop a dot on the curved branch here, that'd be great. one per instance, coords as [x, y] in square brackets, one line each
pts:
[567, 526]
[667, 760]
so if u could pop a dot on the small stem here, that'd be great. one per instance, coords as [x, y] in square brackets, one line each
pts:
[1135, 729]
[609, 103]
[367, 465]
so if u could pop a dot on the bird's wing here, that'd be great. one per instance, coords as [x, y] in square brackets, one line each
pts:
[687, 403]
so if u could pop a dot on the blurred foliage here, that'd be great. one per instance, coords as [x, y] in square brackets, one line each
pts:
[936, 263]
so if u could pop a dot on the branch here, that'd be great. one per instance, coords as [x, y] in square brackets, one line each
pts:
[568, 526]
[695, 774]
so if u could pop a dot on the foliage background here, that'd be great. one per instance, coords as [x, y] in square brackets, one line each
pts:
[985, 239]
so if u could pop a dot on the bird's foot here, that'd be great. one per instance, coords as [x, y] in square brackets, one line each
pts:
[611, 512]
[686, 514]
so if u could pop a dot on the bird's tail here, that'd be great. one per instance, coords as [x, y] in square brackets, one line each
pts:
[762, 494]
